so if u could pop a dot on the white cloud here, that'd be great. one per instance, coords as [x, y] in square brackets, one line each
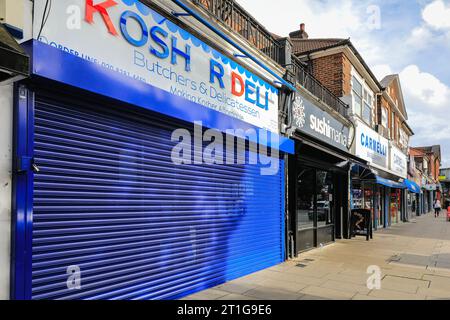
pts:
[425, 87]
[437, 15]
[389, 51]
[323, 19]
[420, 37]
[427, 99]
[382, 70]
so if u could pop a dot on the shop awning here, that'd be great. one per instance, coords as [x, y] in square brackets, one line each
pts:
[390, 183]
[412, 186]
[14, 62]
[362, 172]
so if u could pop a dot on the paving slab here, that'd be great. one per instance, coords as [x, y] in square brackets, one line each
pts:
[265, 293]
[290, 286]
[403, 284]
[395, 295]
[236, 297]
[346, 286]
[237, 287]
[414, 259]
[327, 293]
[434, 293]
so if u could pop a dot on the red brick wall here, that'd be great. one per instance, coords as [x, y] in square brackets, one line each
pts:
[334, 72]
[347, 76]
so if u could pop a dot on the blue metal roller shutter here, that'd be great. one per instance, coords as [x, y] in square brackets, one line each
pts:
[109, 200]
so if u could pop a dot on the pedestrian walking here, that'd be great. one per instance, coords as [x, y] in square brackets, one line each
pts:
[437, 208]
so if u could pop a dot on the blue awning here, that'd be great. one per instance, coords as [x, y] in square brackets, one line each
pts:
[390, 183]
[412, 186]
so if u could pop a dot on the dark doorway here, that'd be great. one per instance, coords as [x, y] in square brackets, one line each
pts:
[315, 207]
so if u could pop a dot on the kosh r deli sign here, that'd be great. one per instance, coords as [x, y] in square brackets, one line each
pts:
[128, 37]
[310, 119]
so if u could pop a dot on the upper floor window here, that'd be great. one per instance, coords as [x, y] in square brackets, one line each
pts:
[392, 125]
[357, 96]
[367, 107]
[363, 100]
[403, 138]
[384, 117]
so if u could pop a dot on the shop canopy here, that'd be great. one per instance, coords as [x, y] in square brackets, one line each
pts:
[389, 183]
[412, 186]
[365, 173]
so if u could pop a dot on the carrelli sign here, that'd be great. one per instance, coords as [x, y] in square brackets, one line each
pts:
[371, 146]
[313, 121]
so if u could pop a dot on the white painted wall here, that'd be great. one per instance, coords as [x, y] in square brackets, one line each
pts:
[6, 103]
[6, 129]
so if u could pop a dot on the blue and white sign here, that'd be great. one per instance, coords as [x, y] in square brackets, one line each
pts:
[312, 120]
[129, 38]
[398, 162]
[371, 146]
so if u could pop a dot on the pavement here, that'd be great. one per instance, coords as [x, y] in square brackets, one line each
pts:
[413, 258]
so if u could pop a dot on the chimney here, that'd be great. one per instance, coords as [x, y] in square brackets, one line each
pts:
[300, 34]
[303, 33]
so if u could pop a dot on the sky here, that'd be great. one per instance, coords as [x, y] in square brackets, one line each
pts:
[406, 37]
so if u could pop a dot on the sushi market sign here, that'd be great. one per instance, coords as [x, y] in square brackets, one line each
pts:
[127, 37]
[313, 121]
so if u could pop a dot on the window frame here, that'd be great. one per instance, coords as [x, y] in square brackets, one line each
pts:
[357, 96]
[384, 115]
[366, 99]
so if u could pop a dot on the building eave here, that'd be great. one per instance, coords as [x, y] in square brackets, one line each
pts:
[352, 54]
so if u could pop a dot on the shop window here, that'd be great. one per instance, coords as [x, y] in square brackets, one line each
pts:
[357, 197]
[324, 192]
[395, 206]
[315, 199]
[305, 199]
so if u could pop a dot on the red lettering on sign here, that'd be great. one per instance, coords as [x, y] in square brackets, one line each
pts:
[101, 8]
[237, 78]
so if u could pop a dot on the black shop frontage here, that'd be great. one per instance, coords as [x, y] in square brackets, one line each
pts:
[318, 175]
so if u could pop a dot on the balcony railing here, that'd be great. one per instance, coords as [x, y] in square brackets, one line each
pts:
[231, 14]
[313, 85]
[240, 21]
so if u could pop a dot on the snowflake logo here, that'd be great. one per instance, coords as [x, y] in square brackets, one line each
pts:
[298, 112]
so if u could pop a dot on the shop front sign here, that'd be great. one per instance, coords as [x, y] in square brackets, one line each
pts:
[398, 162]
[127, 37]
[371, 146]
[313, 121]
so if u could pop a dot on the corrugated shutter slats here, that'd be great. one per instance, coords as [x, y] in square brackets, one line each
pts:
[109, 200]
